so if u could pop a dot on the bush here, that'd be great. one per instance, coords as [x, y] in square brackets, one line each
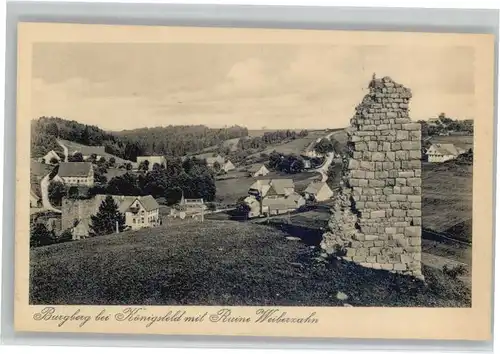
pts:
[211, 206]
[65, 236]
[454, 272]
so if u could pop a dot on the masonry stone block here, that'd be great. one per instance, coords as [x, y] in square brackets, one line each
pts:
[377, 214]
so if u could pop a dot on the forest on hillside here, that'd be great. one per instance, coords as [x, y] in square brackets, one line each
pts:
[167, 141]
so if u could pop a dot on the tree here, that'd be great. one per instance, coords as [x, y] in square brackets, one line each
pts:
[92, 158]
[65, 236]
[144, 166]
[112, 161]
[57, 190]
[73, 192]
[156, 167]
[324, 146]
[243, 209]
[102, 160]
[106, 219]
[217, 167]
[337, 147]
[275, 160]
[126, 184]
[128, 166]
[332, 174]
[77, 157]
[40, 235]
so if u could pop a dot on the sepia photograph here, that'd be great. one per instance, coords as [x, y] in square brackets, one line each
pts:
[275, 174]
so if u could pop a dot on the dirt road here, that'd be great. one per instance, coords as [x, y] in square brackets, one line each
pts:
[65, 150]
[44, 186]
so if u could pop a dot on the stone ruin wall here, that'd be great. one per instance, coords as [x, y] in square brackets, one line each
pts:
[377, 215]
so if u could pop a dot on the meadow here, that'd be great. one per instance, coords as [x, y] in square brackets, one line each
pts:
[447, 198]
[220, 263]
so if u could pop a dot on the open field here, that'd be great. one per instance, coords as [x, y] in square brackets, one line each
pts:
[295, 146]
[220, 263]
[230, 190]
[447, 198]
[465, 142]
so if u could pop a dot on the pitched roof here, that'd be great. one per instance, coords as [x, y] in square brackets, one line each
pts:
[74, 169]
[149, 202]
[315, 187]
[281, 185]
[256, 168]
[39, 169]
[51, 154]
[124, 201]
[445, 149]
[294, 196]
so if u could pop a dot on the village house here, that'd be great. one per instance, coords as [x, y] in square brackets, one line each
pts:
[140, 212]
[312, 154]
[212, 161]
[278, 206]
[152, 160]
[318, 191]
[258, 170]
[50, 157]
[443, 152]
[189, 208]
[272, 197]
[76, 174]
[39, 169]
[307, 163]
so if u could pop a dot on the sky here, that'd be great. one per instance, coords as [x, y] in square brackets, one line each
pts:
[120, 86]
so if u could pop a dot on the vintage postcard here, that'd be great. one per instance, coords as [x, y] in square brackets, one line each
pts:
[257, 182]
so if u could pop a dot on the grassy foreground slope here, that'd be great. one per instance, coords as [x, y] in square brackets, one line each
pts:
[219, 263]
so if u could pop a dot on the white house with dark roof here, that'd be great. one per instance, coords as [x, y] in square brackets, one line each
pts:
[76, 174]
[211, 159]
[318, 191]
[443, 152]
[272, 197]
[258, 170]
[140, 212]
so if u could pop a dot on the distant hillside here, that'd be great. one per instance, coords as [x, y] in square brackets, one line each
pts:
[179, 140]
[168, 141]
[46, 130]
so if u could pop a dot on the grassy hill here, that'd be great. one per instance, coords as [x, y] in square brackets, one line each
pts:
[447, 198]
[220, 263]
[295, 146]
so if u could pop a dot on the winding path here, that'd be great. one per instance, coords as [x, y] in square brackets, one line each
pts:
[324, 168]
[44, 186]
[65, 148]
